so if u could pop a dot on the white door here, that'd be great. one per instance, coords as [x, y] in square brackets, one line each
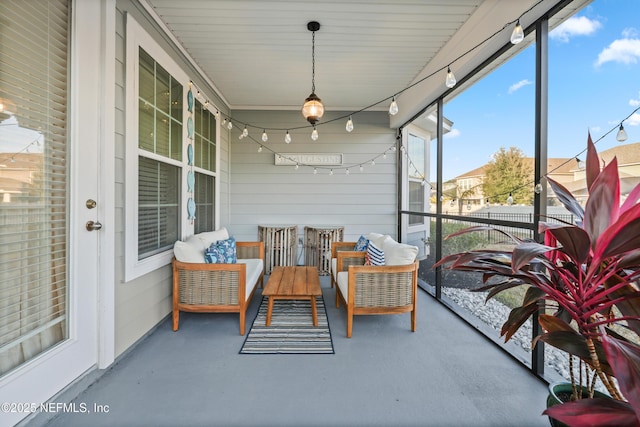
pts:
[51, 136]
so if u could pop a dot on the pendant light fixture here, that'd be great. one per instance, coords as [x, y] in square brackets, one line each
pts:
[312, 110]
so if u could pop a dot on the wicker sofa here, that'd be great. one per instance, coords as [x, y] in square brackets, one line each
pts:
[215, 288]
[370, 290]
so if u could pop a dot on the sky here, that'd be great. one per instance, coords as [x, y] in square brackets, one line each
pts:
[594, 83]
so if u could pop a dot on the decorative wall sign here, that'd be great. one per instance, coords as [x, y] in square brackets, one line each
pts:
[311, 159]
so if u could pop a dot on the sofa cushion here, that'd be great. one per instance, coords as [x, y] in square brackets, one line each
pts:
[255, 267]
[361, 244]
[378, 239]
[221, 252]
[375, 255]
[191, 250]
[334, 268]
[399, 253]
[343, 284]
[209, 237]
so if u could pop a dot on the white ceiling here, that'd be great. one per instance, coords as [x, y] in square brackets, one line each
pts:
[257, 53]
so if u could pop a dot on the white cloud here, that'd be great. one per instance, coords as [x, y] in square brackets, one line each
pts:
[626, 51]
[514, 87]
[453, 133]
[575, 26]
[595, 129]
[629, 33]
[634, 102]
[634, 120]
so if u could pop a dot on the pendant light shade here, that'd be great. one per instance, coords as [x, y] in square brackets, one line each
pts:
[312, 110]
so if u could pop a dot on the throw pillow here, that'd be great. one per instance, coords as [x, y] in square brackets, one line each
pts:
[399, 253]
[361, 244]
[375, 255]
[221, 252]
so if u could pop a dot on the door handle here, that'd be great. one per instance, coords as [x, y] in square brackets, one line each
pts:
[93, 226]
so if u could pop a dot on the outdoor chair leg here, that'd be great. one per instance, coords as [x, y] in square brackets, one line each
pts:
[176, 319]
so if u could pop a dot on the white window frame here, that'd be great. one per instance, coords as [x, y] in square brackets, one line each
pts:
[415, 131]
[138, 38]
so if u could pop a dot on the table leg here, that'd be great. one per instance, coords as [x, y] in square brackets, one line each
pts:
[269, 311]
[314, 311]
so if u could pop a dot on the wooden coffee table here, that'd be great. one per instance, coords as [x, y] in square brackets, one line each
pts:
[295, 283]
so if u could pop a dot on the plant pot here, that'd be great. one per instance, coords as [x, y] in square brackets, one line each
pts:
[561, 393]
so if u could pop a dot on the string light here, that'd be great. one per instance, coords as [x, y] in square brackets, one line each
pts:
[393, 107]
[315, 171]
[229, 125]
[349, 126]
[518, 33]
[260, 149]
[331, 172]
[450, 81]
[373, 162]
[622, 134]
[245, 131]
[347, 172]
[510, 199]
[297, 166]
[287, 138]
[538, 188]
[314, 134]
[361, 168]
[265, 137]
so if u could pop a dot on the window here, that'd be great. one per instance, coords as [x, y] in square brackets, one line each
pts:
[159, 141]
[33, 179]
[417, 153]
[205, 165]
[159, 177]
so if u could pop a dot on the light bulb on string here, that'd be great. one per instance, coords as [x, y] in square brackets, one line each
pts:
[331, 172]
[423, 183]
[241, 136]
[442, 198]
[518, 33]
[373, 162]
[224, 123]
[265, 137]
[217, 115]
[450, 81]
[229, 125]
[206, 105]
[622, 134]
[347, 172]
[538, 188]
[315, 171]
[393, 148]
[245, 131]
[349, 126]
[260, 149]
[287, 137]
[393, 107]
[314, 134]
[361, 168]
[510, 199]
[384, 156]
[297, 166]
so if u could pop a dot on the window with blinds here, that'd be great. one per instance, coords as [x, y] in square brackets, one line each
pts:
[33, 178]
[205, 163]
[160, 159]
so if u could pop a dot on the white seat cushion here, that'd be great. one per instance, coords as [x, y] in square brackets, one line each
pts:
[334, 267]
[378, 239]
[343, 284]
[254, 268]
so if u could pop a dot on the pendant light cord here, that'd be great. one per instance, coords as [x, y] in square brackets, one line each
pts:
[313, 62]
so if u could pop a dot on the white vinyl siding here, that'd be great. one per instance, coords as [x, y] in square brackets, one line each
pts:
[266, 194]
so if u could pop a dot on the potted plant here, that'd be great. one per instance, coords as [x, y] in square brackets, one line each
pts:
[583, 282]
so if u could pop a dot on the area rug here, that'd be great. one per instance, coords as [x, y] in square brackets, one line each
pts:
[291, 330]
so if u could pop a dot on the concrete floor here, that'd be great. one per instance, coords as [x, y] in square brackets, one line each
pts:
[444, 374]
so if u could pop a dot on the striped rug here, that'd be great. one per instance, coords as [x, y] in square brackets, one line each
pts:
[291, 330]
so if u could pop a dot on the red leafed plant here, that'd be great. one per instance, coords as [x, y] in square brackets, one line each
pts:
[584, 283]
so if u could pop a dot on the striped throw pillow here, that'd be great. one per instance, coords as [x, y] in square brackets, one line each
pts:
[375, 255]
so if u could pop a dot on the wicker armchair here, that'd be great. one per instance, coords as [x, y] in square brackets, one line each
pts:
[347, 261]
[218, 288]
[375, 289]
